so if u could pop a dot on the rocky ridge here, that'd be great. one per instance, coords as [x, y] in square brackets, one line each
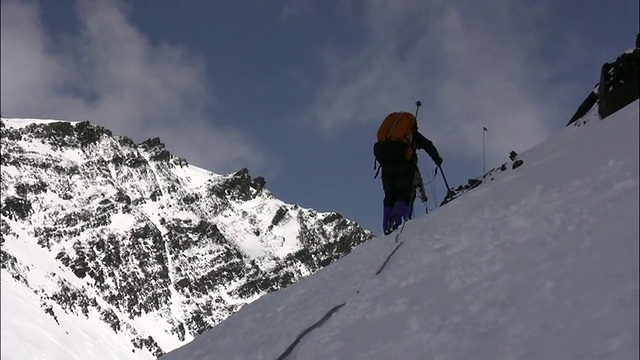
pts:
[136, 232]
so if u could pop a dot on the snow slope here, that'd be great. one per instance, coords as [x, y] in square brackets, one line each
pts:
[28, 335]
[541, 263]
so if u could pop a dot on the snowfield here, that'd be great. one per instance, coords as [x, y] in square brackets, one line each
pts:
[541, 263]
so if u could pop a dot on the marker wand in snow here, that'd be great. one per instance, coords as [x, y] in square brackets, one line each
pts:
[484, 171]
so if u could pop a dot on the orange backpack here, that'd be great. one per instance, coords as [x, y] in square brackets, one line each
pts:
[394, 138]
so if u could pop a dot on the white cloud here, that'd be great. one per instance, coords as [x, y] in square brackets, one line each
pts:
[471, 65]
[30, 70]
[113, 76]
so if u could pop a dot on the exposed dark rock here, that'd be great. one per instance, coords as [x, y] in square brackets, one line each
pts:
[49, 310]
[239, 186]
[259, 183]
[331, 218]
[16, 208]
[24, 189]
[189, 199]
[10, 263]
[89, 134]
[148, 343]
[157, 150]
[110, 318]
[125, 141]
[58, 134]
[179, 331]
[70, 299]
[516, 164]
[280, 214]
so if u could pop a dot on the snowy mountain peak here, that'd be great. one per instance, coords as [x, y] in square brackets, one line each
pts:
[129, 247]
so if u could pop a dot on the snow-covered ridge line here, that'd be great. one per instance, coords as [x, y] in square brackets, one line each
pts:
[18, 123]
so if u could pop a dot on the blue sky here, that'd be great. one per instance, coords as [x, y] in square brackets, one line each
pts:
[295, 90]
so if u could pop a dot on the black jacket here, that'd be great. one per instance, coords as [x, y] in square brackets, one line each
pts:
[421, 142]
[408, 168]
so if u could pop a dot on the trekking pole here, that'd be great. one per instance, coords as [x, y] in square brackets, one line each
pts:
[449, 192]
[418, 104]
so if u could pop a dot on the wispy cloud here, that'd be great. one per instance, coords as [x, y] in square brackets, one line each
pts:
[110, 74]
[471, 65]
